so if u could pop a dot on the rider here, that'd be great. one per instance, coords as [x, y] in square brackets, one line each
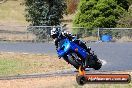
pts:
[57, 35]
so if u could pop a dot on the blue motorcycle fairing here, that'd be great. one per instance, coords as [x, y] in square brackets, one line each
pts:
[66, 46]
[80, 50]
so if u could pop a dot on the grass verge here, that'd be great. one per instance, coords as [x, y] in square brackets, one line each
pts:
[20, 63]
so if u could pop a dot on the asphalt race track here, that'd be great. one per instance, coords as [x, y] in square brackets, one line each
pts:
[115, 56]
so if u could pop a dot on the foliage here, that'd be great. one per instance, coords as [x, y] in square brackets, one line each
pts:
[44, 13]
[124, 3]
[98, 13]
[130, 2]
[126, 20]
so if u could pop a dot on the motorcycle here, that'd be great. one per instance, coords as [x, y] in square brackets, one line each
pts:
[77, 56]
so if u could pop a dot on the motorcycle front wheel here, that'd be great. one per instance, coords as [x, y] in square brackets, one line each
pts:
[72, 58]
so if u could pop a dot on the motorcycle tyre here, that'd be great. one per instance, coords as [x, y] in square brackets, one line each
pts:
[97, 65]
[73, 62]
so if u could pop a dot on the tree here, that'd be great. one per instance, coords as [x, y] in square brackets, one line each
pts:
[130, 2]
[44, 13]
[98, 13]
[123, 3]
[126, 20]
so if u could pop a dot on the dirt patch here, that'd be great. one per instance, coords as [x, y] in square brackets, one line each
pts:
[49, 82]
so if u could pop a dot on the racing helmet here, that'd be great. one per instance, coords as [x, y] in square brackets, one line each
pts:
[55, 32]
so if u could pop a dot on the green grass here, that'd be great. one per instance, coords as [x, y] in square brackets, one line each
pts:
[18, 63]
[11, 66]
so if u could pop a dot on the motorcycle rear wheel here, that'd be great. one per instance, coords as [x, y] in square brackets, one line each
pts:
[97, 65]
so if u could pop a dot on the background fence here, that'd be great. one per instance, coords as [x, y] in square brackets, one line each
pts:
[25, 33]
[15, 33]
[95, 34]
[42, 33]
[118, 34]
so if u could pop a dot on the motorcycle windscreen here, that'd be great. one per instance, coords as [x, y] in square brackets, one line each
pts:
[79, 50]
[64, 47]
